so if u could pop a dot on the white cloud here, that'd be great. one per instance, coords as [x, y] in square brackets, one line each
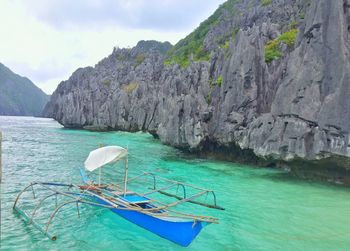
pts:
[47, 40]
[175, 15]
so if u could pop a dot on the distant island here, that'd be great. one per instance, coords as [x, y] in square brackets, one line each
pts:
[19, 96]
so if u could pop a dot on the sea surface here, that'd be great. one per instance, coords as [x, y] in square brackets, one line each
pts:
[265, 209]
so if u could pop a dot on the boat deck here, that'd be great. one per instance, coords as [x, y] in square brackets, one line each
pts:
[135, 199]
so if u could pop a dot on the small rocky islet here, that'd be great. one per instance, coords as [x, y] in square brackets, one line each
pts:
[260, 81]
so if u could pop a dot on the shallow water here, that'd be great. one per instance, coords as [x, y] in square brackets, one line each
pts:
[265, 210]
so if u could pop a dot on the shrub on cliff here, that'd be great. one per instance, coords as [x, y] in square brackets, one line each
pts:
[273, 47]
[129, 88]
[219, 81]
[140, 58]
[266, 2]
[192, 46]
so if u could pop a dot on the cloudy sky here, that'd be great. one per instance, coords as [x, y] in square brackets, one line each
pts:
[46, 40]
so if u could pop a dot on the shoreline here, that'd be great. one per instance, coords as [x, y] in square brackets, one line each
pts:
[329, 170]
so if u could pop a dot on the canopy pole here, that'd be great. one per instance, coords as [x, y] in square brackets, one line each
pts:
[99, 171]
[126, 173]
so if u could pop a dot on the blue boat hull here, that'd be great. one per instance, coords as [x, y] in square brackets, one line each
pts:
[179, 232]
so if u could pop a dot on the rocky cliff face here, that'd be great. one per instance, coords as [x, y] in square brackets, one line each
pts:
[263, 95]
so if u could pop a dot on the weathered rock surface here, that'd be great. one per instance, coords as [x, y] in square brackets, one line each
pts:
[292, 110]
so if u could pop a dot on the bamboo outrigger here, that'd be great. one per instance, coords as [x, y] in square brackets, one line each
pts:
[152, 214]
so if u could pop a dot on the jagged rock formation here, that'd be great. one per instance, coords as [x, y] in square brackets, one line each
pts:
[291, 110]
[19, 96]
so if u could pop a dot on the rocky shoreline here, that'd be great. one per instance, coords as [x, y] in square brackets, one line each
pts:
[327, 170]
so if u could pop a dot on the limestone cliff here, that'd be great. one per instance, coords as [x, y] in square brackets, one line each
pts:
[265, 81]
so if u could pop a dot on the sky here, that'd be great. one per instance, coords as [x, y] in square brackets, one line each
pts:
[47, 40]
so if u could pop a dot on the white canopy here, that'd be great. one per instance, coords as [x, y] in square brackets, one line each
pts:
[103, 156]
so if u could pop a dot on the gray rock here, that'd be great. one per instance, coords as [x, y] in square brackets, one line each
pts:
[294, 108]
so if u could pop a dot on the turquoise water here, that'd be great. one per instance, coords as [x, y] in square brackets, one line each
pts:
[265, 210]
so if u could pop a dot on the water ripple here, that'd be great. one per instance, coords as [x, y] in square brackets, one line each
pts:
[264, 210]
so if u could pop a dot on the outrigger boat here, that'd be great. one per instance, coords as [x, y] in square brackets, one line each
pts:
[140, 208]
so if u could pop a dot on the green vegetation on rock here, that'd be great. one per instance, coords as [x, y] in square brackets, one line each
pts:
[188, 47]
[208, 98]
[106, 82]
[192, 46]
[226, 45]
[266, 2]
[219, 81]
[273, 47]
[289, 37]
[140, 58]
[224, 41]
[120, 57]
[129, 88]
[272, 51]
[293, 24]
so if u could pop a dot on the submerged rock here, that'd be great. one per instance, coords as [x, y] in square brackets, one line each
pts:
[289, 110]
